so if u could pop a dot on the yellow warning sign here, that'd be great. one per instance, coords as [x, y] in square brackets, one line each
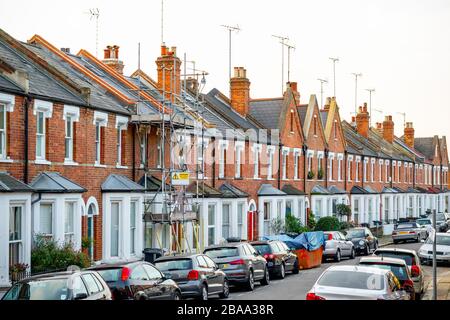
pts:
[180, 178]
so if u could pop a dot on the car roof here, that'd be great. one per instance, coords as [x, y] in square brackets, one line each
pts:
[396, 250]
[226, 245]
[52, 275]
[179, 257]
[263, 242]
[357, 268]
[381, 259]
[115, 265]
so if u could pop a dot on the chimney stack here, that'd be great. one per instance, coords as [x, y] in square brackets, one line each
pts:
[362, 121]
[409, 134]
[240, 91]
[388, 129]
[111, 58]
[169, 72]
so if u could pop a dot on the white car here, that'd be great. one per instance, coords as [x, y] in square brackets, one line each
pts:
[442, 249]
[357, 283]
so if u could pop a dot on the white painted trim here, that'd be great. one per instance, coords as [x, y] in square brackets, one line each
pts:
[9, 100]
[121, 122]
[72, 111]
[44, 106]
[93, 201]
[101, 117]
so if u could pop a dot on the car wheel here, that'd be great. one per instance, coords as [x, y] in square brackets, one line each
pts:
[296, 267]
[266, 280]
[337, 257]
[282, 273]
[177, 296]
[204, 293]
[250, 285]
[353, 254]
[225, 291]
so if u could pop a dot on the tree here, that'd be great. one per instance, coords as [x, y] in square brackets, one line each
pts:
[294, 225]
[343, 210]
[328, 224]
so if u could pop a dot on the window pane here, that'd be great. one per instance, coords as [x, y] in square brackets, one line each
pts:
[91, 284]
[2, 117]
[115, 229]
[46, 219]
[15, 223]
[226, 221]
[133, 227]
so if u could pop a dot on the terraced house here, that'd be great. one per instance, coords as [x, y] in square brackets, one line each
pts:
[87, 153]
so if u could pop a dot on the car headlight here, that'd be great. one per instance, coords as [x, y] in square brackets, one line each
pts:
[361, 242]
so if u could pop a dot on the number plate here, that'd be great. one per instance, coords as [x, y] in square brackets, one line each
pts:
[403, 232]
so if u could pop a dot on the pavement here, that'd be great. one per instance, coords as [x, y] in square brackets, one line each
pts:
[443, 285]
[295, 287]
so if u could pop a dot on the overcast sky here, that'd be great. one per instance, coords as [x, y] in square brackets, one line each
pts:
[401, 47]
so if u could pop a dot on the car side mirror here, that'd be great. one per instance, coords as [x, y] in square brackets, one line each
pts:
[81, 296]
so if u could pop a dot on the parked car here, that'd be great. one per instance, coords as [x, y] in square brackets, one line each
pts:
[196, 275]
[357, 283]
[442, 249]
[426, 224]
[412, 260]
[336, 246]
[69, 285]
[398, 267]
[278, 256]
[363, 240]
[242, 264]
[138, 280]
[442, 221]
[409, 231]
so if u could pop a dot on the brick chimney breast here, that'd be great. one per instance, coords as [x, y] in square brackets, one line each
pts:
[388, 129]
[362, 121]
[409, 134]
[169, 72]
[111, 58]
[240, 91]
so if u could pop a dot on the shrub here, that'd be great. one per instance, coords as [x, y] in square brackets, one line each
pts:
[311, 221]
[343, 210]
[310, 175]
[346, 225]
[328, 224]
[293, 225]
[47, 255]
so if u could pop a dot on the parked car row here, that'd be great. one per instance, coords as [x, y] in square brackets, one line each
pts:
[388, 274]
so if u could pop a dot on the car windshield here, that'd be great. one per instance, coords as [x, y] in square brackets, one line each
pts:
[440, 240]
[423, 221]
[51, 289]
[352, 280]
[399, 255]
[440, 217]
[174, 265]
[262, 248]
[399, 271]
[224, 252]
[110, 275]
[355, 233]
[406, 226]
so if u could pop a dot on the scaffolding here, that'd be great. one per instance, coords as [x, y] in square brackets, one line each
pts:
[171, 206]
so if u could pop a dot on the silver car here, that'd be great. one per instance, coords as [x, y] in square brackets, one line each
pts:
[409, 231]
[442, 249]
[357, 283]
[412, 260]
[336, 246]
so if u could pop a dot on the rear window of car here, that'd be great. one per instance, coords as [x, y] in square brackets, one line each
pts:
[52, 289]
[423, 221]
[399, 271]
[174, 265]
[224, 252]
[409, 258]
[110, 275]
[263, 248]
[406, 226]
[352, 280]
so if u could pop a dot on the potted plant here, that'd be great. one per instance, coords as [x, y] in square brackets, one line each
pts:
[16, 271]
[320, 174]
[310, 175]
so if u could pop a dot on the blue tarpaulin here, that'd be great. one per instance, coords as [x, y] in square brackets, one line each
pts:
[308, 240]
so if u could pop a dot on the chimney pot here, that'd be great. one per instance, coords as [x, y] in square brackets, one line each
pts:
[111, 58]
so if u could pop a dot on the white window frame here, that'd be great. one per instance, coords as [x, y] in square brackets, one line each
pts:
[45, 109]
[3, 132]
[330, 166]
[340, 159]
[386, 163]
[296, 163]
[357, 162]
[284, 157]
[119, 239]
[270, 154]
[69, 234]
[256, 158]
[20, 239]
[52, 226]
[8, 102]
[349, 168]
[100, 120]
[133, 229]
[121, 125]
[239, 147]
[366, 161]
[380, 170]
[213, 225]
[406, 173]
[223, 146]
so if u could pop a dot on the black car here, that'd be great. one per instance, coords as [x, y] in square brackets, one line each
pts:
[76, 285]
[363, 240]
[242, 264]
[138, 280]
[195, 274]
[279, 258]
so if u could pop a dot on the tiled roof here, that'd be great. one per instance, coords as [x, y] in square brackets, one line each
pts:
[425, 146]
[302, 109]
[204, 190]
[53, 182]
[40, 82]
[267, 111]
[153, 184]
[318, 189]
[292, 191]
[269, 190]
[9, 85]
[119, 183]
[324, 117]
[336, 190]
[11, 184]
[230, 191]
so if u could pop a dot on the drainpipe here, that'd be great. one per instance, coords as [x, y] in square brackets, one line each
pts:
[280, 150]
[346, 170]
[363, 166]
[214, 162]
[305, 157]
[133, 165]
[25, 144]
[327, 153]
